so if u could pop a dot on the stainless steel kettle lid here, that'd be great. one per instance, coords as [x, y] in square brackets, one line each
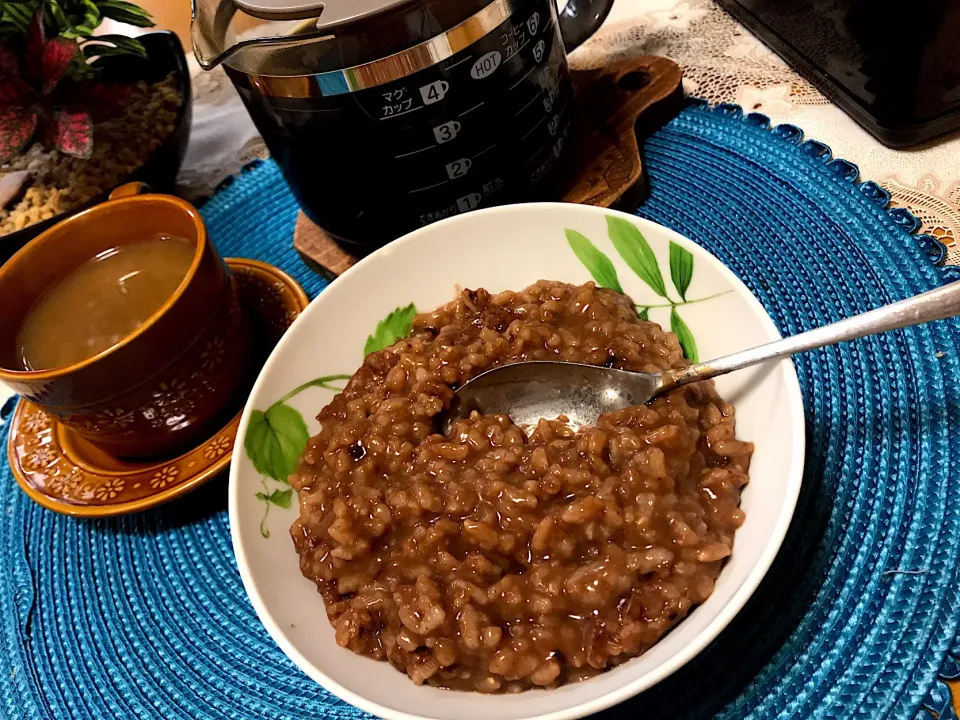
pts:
[243, 33]
[331, 14]
[216, 37]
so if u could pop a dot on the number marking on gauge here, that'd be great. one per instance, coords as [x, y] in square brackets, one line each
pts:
[538, 50]
[458, 168]
[469, 202]
[434, 92]
[548, 98]
[533, 23]
[551, 141]
[446, 132]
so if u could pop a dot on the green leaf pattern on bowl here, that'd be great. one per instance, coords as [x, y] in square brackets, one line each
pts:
[276, 438]
[601, 269]
[636, 252]
[274, 441]
[393, 327]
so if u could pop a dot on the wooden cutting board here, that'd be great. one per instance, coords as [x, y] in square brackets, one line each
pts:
[616, 107]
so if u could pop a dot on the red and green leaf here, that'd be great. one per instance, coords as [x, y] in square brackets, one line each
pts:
[69, 132]
[16, 93]
[9, 95]
[55, 61]
[102, 100]
[48, 88]
[17, 126]
[36, 33]
[106, 100]
[36, 41]
[13, 90]
[9, 62]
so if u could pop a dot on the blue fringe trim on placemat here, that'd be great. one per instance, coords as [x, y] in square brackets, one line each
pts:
[145, 615]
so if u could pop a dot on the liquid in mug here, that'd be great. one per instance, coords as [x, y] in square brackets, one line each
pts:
[103, 301]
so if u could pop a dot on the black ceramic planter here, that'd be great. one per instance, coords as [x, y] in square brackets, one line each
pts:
[165, 57]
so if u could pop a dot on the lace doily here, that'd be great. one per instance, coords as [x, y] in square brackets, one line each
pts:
[723, 62]
[223, 138]
[937, 208]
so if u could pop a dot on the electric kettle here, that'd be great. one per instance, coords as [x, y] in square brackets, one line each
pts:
[387, 115]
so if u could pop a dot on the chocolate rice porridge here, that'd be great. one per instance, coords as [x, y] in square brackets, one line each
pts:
[499, 560]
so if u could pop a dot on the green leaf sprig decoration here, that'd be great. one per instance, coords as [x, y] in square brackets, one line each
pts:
[276, 437]
[280, 498]
[680, 329]
[599, 265]
[681, 268]
[636, 252]
[274, 441]
[393, 327]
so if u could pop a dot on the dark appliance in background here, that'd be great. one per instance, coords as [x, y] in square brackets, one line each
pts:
[893, 66]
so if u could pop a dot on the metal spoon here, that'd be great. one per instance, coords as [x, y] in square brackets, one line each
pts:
[528, 391]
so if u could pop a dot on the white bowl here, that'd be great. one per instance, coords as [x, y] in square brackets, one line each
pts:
[497, 249]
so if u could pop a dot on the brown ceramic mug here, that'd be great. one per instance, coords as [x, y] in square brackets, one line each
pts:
[160, 387]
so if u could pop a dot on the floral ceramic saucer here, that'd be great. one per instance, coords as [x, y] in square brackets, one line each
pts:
[66, 473]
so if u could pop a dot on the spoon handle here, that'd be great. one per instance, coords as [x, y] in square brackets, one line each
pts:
[936, 304]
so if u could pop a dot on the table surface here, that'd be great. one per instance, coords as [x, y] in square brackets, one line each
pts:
[722, 63]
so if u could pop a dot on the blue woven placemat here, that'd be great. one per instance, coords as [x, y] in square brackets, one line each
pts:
[145, 615]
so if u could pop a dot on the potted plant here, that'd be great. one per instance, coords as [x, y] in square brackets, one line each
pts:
[82, 113]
